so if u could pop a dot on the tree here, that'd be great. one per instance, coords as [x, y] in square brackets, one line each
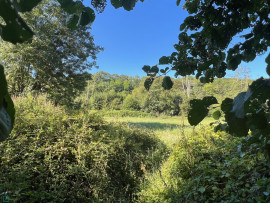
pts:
[131, 103]
[57, 59]
[14, 29]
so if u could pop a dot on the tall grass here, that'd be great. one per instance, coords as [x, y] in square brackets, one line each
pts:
[166, 128]
[203, 166]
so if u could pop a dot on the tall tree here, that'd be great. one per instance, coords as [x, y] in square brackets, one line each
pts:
[57, 59]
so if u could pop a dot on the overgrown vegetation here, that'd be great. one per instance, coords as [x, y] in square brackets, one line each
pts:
[54, 156]
[209, 167]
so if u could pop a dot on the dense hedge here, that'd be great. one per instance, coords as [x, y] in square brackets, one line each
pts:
[52, 156]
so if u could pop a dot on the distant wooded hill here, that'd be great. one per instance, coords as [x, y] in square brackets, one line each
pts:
[117, 92]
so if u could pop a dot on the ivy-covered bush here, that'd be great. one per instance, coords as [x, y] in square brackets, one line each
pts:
[55, 156]
[209, 167]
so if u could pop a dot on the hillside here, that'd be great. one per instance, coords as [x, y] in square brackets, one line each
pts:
[115, 92]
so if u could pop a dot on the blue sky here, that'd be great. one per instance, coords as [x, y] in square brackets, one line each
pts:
[140, 37]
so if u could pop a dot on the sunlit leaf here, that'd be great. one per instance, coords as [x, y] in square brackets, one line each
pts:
[216, 115]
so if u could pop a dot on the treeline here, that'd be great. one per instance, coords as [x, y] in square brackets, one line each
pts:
[121, 92]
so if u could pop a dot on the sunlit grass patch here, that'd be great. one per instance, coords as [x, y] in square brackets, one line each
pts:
[168, 129]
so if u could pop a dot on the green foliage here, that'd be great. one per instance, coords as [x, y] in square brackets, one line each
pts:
[87, 16]
[126, 4]
[57, 60]
[216, 115]
[131, 103]
[109, 92]
[205, 49]
[84, 15]
[207, 167]
[15, 29]
[199, 109]
[247, 115]
[7, 111]
[72, 21]
[167, 83]
[164, 60]
[159, 101]
[53, 156]
[148, 82]
[25, 5]
[122, 113]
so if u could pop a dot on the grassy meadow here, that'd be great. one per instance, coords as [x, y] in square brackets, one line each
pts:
[167, 129]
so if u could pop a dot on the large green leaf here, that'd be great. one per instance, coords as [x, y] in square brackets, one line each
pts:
[216, 115]
[146, 68]
[15, 29]
[167, 83]
[197, 112]
[148, 82]
[3, 85]
[71, 7]
[164, 60]
[72, 21]
[7, 111]
[117, 3]
[199, 109]
[25, 5]
[227, 105]
[129, 4]
[236, 126]
[87, 16]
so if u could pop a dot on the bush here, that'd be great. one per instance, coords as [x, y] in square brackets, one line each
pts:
[207, 167]
[131, 103]
[122, 113]
[53, 156]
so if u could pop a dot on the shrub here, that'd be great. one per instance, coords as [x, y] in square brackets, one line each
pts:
[53, 156]
[122, 113]
[131, 103]
[207, 167]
